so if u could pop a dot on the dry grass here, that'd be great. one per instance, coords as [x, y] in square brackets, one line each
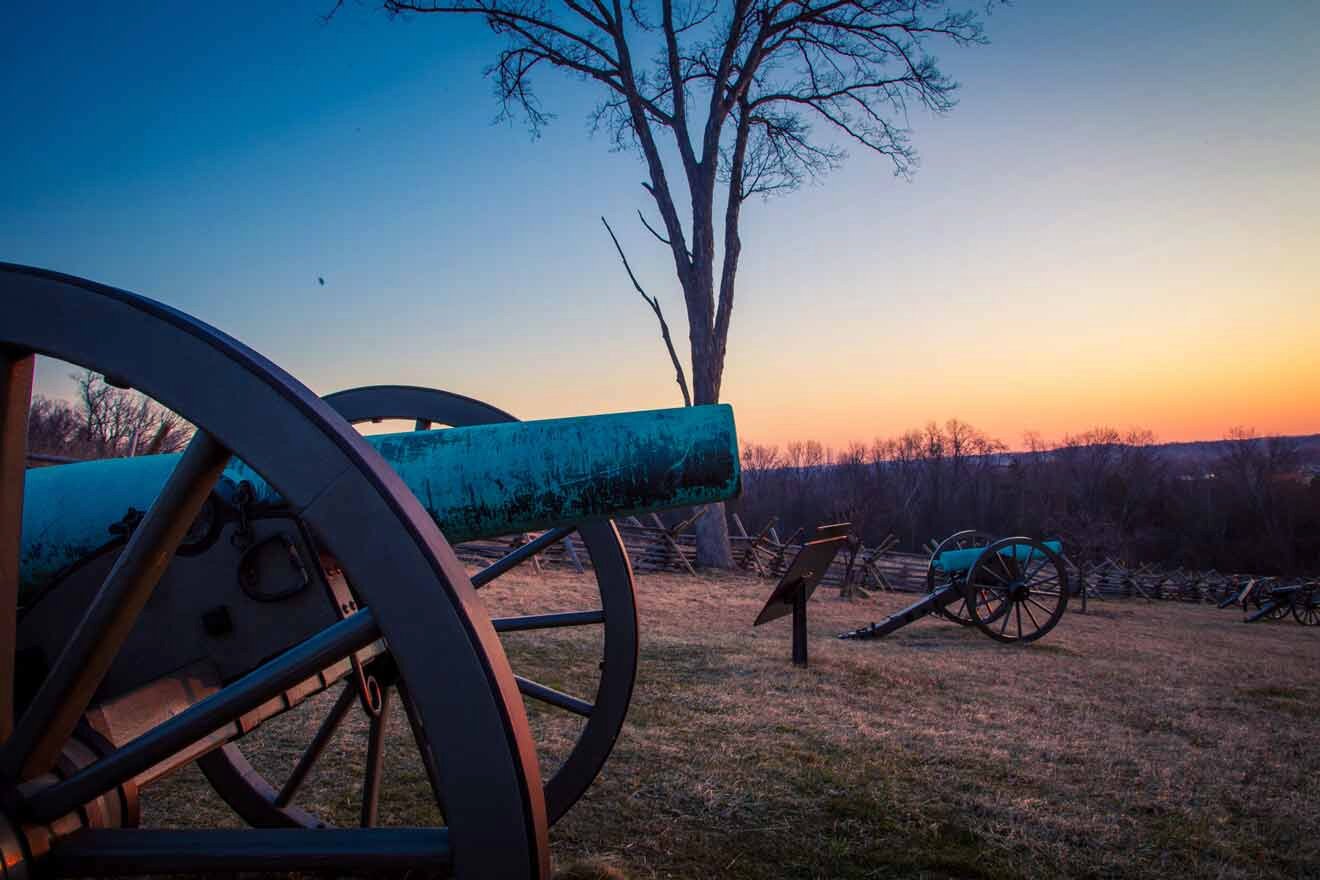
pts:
[1138, 740]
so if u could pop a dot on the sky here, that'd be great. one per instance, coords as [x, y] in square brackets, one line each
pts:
[1118, 225]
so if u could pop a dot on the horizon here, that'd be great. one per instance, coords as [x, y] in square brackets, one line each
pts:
[1111, 229]
[833, 453]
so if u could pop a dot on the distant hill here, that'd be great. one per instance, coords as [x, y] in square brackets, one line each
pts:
[1200, 451]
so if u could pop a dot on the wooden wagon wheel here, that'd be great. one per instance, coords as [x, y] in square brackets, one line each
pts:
[1021, 589]
[1306, 606]
[937, 577]
[412, 591]
[1267, 594]
[1280, 609]
[263, 805]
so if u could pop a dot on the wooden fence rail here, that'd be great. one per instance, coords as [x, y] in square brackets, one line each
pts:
[857, 570]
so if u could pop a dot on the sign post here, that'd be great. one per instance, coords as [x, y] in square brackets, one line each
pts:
[794, 589]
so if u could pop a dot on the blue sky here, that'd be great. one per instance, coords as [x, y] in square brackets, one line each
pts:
[1118, 224]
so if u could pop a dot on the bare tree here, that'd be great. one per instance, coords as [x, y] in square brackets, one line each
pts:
[741, 98]
[123, 422]
[759, 457]
[103, 422]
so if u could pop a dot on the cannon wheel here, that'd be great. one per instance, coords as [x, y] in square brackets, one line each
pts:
[1306, 606]
[411, 589]
[1264, 595]
[1021, 587]
[935, 578]
[261, 804]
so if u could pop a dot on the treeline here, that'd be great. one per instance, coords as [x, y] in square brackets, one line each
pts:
[1248, 506]
[103, 422]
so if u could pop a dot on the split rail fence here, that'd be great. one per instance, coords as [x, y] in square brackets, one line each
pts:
[858, 570]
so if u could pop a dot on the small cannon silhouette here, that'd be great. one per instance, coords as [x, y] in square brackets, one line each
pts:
[1012, 589]
[155, 610]
[1272, 600]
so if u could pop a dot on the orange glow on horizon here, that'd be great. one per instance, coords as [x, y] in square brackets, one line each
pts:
[1183, 386]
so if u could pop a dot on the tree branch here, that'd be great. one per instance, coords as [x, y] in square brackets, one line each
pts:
[651, 229]
[654, 303]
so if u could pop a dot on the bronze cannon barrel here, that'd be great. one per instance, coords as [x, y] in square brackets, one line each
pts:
[475, 482]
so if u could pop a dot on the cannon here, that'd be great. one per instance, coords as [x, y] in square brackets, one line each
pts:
[1273, 601]
[1011, 589]
[155, 611]
[1258, 593]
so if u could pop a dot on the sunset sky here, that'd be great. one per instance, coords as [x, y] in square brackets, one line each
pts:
[1118, 225]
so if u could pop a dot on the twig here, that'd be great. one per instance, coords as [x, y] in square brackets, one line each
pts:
[651, 229]
[654, 303]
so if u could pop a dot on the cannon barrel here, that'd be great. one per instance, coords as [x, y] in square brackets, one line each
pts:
[962, 560]
[475, 482]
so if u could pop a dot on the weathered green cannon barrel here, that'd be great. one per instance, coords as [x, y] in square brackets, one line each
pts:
[962, 560]
[475, 482]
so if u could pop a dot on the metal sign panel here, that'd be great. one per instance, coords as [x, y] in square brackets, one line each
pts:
[804, 574]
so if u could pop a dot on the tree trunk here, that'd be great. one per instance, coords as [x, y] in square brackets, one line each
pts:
[713, 550]
[712, 529]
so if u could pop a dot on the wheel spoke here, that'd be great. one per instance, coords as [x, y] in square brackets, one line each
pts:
[1040, 606]
[1031, 573]
[548, 621]
[423, 745]
[107, 622]
[1027, 608]
[988, 570]
[1052, 580]
[1003, 627]
[15, 400]
[314, 749]
[521, 555]
[375, 760]
[567, 702]
[1017, 608]
[295, 665]
[1003, 563]
[984, 601]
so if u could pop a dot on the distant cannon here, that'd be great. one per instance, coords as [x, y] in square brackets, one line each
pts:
[1256, 594]
[1273, 601]
[164, 607]
[1266, 598]
[1012, 589]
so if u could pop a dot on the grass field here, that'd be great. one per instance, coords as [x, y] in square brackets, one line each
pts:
[1137, 740]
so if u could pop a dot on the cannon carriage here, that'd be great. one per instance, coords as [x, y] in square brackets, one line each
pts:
[280, 556]
[1014, 590]
[1272, 599]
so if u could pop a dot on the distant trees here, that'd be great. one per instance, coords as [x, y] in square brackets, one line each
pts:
[103, 422]
[1240, 505]
[1257, 509]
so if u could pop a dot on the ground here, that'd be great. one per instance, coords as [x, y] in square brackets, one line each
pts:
[1135, 740]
